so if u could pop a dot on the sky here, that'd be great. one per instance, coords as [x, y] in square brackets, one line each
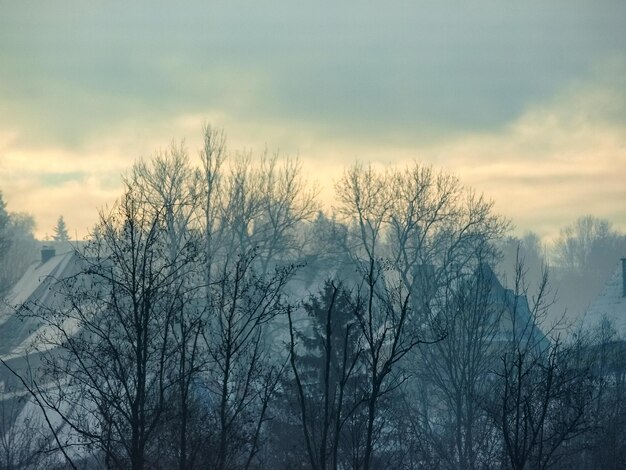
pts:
[523, 101]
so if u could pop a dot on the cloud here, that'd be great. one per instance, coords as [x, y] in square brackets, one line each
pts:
[561, 158]
[73, 70]
[524, 102]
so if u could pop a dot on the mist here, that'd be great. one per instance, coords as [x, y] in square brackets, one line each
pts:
[219, 314]
[327, 237]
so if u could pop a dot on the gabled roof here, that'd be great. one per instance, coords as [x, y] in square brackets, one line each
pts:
[610, 304]
[36, 287]
[18, 333]
[520, 322]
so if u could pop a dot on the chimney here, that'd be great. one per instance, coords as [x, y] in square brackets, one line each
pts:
[47, 252]
[623, 277]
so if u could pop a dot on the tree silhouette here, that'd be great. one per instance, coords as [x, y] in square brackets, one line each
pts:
[60, 231]
[4, 227]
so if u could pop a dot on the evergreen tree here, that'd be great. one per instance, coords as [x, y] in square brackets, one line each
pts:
[319, 415]
[4, 228]
[18, 248]
[5, 242]
[60, 231]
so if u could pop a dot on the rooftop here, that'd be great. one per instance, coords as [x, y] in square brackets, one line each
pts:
[610, 304]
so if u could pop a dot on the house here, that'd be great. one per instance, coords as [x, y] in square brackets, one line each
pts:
[610, 304]
[517, 322]
[19, 335]
[34, 288]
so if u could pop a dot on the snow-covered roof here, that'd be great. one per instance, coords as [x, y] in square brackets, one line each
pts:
[36, 287]
[35, 279]
[18, 332]
[610, 304]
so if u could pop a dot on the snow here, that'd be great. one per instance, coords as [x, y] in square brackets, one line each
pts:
[610, 304]
[18, 334]
[33, 280]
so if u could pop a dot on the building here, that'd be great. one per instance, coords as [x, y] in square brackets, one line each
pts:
[610, 304]
[517, 322]
[21, 327]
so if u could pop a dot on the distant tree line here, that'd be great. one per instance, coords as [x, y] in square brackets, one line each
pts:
[218, 319]
[18, 247]
[60, 231]
[580, 261]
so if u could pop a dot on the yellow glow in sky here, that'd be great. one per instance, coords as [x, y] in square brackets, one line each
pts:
[526, 104]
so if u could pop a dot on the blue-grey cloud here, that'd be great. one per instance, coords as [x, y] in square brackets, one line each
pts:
[526, 101]
[69, 69]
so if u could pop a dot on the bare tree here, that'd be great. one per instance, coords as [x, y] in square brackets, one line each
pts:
[542, 388]
[25, 440]
[212, 157]
[586, 254]
[604, 445]
[243, 373]
[286, 202]
[576, 241]
[107, 354]
[456, 372]
[171, 188]
[413, 231]
[529, 248]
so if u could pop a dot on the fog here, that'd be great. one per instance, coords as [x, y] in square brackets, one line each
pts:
[276, 236]
[218, 315]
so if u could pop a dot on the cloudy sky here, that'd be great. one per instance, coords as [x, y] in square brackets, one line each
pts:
[524, 101]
